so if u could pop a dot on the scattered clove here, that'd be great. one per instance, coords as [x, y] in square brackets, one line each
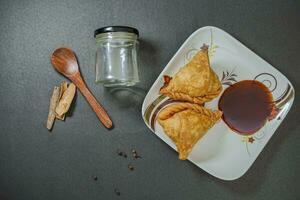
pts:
[117, 192]
[135, 154]
[121, 153]
[95, 178]
[130, 167]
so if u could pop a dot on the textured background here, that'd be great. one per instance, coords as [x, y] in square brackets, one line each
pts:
[36, 164]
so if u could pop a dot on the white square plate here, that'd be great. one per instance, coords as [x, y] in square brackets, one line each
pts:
[222, 152]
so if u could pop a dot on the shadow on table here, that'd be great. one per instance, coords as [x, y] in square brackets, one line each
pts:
[72, 106]
[127, 96]
[150, 61]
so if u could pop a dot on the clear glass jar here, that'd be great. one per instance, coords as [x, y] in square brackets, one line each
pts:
[116, 56]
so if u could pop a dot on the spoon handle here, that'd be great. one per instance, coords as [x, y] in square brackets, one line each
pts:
[98, 109]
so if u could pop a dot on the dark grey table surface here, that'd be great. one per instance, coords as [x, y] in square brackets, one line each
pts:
[36, 164]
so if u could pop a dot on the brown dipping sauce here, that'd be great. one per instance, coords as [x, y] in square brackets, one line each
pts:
[246, 106]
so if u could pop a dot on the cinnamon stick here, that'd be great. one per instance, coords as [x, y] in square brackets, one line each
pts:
[53, 103]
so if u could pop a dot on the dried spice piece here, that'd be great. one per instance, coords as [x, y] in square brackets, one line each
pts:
[53, 103]
[130, 167]
[66, 100]
[135, 154]
[117, 192]
[63, 88]
[121, 153]
[95, 178]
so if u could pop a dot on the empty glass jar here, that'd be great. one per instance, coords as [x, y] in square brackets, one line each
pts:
[116, 56]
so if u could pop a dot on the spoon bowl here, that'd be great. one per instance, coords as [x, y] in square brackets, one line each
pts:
[64, 61]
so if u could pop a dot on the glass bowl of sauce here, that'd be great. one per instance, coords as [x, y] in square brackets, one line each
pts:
[246, 106]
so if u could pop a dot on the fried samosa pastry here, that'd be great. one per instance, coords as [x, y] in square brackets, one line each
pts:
[186, 123]
[196, 82]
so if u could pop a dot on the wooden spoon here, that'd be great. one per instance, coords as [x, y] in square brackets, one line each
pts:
[65, 62]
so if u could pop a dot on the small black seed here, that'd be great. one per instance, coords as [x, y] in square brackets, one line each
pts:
[125, 155]
[95, 178]
[136, 156]
[130, 167]
[117, 192]
[133, 151]
[119, 152]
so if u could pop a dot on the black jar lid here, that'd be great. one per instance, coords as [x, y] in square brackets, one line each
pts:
[109, 29]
